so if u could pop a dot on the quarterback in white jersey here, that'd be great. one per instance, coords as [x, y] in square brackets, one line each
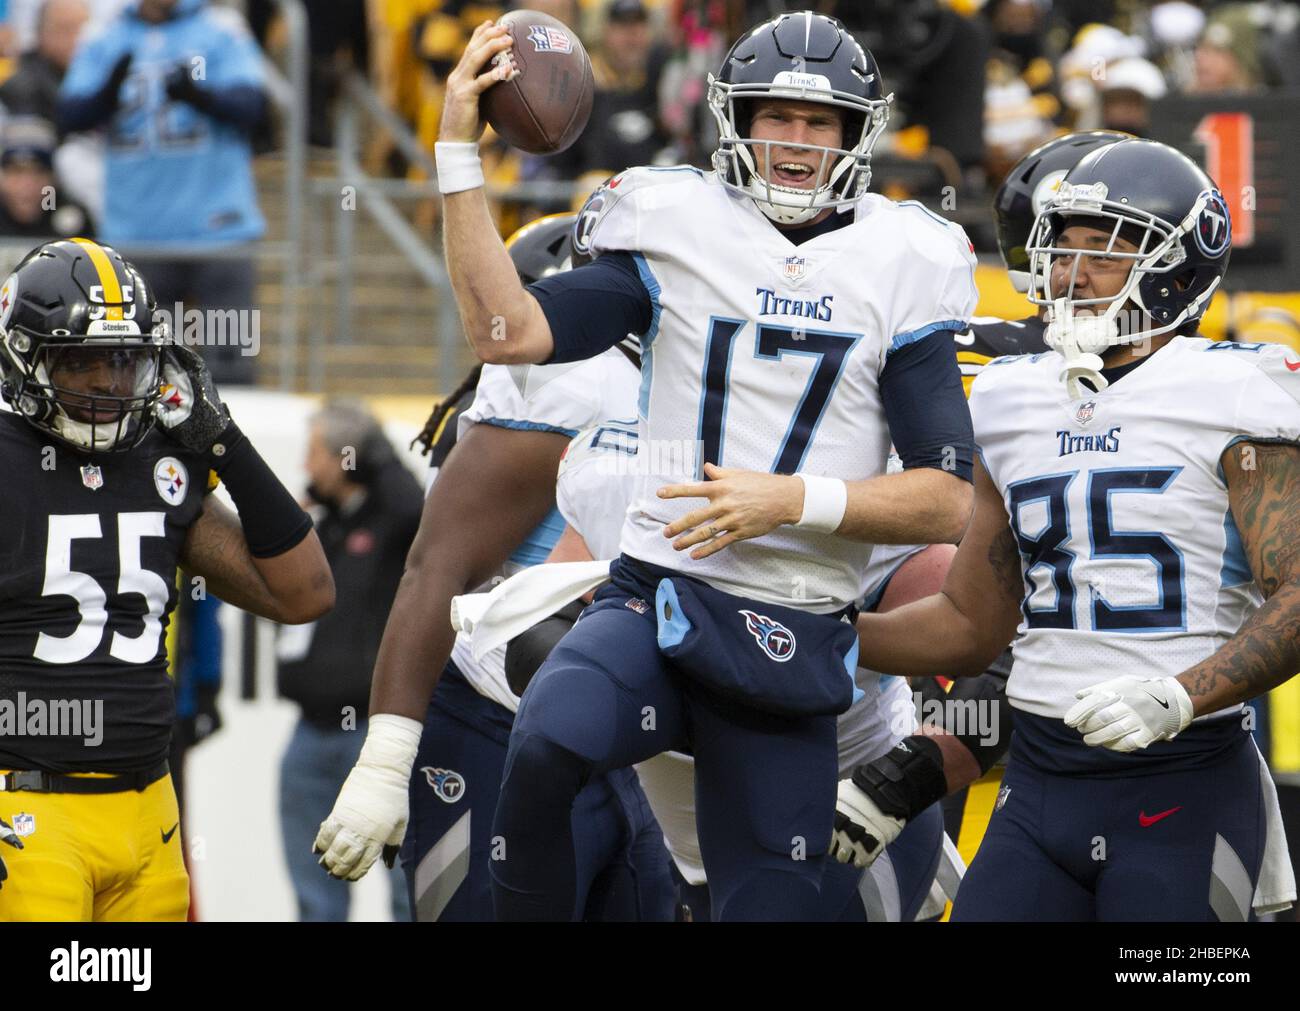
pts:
[1137, 501]
[794, 323]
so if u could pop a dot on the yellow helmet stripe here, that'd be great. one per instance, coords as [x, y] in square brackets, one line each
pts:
[110, 288]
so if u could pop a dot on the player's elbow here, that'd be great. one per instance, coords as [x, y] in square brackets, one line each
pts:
[953, 503]
[312, 601]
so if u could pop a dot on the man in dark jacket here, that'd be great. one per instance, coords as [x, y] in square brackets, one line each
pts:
[370, 511]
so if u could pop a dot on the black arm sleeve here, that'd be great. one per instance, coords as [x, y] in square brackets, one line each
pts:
[929, 422]
[593, 307]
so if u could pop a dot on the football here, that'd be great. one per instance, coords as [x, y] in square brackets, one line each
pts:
[547, 104]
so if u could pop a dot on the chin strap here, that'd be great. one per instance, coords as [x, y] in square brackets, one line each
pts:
[1078, 339]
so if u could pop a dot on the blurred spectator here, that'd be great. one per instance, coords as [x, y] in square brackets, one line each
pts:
[1083, 71]
[179, 87]
[30, 203]
[698, 35]
[1228, 53]
[33, 90]
[335, 28]
[627, 64]
[1129, 88]
[371, 509]
[25, 18]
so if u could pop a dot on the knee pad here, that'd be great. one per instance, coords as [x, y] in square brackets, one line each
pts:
[767, 895]
[573, 704]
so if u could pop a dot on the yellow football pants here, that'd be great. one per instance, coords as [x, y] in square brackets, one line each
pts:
[95, 857]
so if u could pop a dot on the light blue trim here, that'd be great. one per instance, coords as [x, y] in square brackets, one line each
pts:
[851, 665]
[1235, 569]
[671, 630]
[912, 336]
[536, 547]
[929, 213]
[673, 168]
[527, 426]
[648, 338]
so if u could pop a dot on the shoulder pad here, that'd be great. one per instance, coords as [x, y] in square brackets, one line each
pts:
[620, 190]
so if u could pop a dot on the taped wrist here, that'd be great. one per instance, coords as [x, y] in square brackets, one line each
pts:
[905, 780]
[273, 522]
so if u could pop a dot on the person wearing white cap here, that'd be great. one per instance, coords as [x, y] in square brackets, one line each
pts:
[1129, 87]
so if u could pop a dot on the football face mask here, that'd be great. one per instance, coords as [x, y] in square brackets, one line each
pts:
[96, 397]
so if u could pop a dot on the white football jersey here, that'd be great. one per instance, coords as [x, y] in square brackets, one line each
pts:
[597, 480]
[766, 355]
[576, 398]
[1133, 563]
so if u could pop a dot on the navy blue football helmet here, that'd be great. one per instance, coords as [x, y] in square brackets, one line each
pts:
[804, 57]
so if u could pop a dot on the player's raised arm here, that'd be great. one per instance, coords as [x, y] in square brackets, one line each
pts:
[960, 630]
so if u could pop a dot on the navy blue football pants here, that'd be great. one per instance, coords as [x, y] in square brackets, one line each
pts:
[1184, 843]
[621, 864]
[605, 699]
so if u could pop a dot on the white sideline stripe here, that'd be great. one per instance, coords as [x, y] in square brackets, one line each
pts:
[1230, 887]
[443, 869]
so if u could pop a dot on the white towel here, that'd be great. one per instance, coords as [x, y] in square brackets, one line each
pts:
[1275, 890]
[520, 602]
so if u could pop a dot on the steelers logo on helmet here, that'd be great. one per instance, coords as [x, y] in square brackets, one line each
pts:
[8, 293]
[1046, 189]
[1213, 231]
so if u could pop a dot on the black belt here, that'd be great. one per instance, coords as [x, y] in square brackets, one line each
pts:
[53, 782]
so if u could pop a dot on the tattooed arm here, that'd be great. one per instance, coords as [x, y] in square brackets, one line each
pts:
[1264, 495]
[962, 629]
[291, 588]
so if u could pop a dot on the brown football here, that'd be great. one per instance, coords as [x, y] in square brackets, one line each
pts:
[544, 109]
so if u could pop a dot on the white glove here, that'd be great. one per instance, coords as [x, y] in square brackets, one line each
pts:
[370, 814]
[1129, 713]
[862, 830]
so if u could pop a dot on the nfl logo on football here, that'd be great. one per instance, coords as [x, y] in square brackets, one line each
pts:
[549, 40]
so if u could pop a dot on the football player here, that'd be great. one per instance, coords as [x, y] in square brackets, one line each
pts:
[1138, 493]
[490, 513]
[115, 440]
[957, 753]
[768, 347]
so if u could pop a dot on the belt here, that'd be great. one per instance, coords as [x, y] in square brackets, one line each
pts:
[53, 782]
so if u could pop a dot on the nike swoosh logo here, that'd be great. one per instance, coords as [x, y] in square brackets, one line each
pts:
[1291, 365]
[1146, 821]
[1160, 702]
[167, 836]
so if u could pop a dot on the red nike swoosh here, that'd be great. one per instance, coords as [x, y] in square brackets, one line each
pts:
[1291, 365]
[1146, 821]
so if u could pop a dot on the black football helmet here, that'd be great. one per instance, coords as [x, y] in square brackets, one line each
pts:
[542, 247]
[1035, 178]
[80, 347]
[806, 57]
[1158, 199]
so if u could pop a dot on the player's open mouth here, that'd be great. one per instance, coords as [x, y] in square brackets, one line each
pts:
[791, 173]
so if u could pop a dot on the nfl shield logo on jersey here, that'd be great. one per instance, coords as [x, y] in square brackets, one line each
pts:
[795, 267]
[92, 477]
[1085, 412]
[24, 824]
[773, 638]
[1003, 793]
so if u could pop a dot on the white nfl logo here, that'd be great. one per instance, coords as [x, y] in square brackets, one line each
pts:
[24, 824]
[92, 477]
[794, 267]
[546, 39]
[1085, 412]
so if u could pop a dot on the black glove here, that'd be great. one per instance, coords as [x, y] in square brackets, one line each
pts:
[190, 411]
[113, 86]
[7, 835]
[180, 86]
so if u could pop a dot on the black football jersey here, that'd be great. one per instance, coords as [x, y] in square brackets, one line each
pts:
[989, 338]
[89, 547]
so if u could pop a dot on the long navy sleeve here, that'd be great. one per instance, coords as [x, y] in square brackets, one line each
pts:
[929, 421]
[593, 307]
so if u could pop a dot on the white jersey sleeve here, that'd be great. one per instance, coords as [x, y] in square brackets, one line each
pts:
[941, 293]
[596, 483]
[1268, 407]
[554, 398]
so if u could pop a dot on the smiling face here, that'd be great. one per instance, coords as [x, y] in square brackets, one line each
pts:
[790, 122]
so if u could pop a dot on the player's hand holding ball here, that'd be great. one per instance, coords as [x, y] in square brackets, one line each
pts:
[477, 70]
[1130, 713]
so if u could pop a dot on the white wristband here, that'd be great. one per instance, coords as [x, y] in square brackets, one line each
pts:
[392, 741]
[825, 500]
[459, 167]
